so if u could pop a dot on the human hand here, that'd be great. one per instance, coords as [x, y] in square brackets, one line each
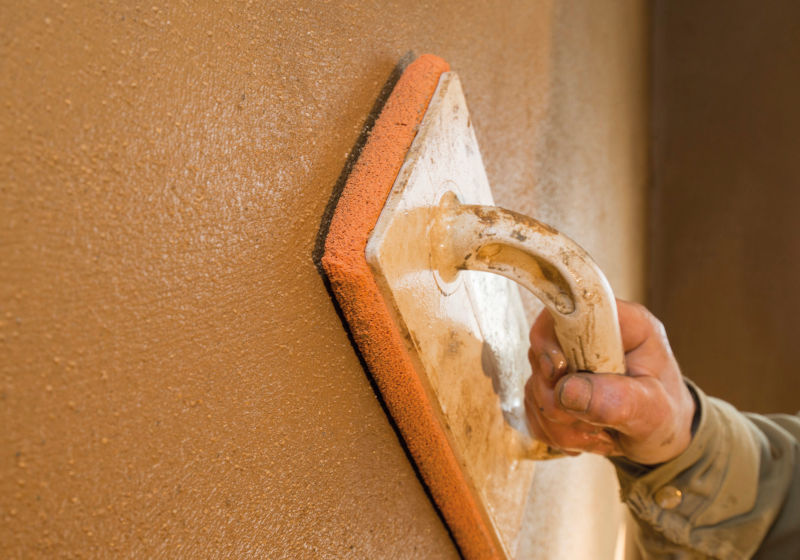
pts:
[645, 415]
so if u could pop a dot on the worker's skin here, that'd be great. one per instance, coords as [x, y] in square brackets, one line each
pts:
[645, 415]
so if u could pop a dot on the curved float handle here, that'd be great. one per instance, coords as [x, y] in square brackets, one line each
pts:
[549, 264]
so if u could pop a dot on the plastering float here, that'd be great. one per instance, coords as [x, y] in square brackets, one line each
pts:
[407, 252]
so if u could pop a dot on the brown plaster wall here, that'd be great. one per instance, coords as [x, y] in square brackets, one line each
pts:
[174, 379]
[726, 252]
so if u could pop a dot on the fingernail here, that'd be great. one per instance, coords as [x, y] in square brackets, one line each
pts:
[546, 366]
[576, 394]
[558, 360]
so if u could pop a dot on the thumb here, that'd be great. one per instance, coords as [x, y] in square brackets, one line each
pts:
[626, 404]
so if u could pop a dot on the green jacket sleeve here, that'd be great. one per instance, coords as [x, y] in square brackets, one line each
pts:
[734, 493]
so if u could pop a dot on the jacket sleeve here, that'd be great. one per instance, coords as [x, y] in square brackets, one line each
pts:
[734, 493]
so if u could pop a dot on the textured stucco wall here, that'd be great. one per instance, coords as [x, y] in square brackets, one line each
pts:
[173, 377]
[726, 253]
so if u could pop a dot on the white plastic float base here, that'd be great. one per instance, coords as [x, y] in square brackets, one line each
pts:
[469, 340]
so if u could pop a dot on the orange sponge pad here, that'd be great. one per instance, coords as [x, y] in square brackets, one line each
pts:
[370, 321]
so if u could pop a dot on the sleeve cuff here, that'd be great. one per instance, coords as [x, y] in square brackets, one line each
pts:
[700, 487]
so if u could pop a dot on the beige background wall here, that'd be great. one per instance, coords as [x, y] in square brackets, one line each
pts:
[726, 252]
[591, 169]
[174, 378]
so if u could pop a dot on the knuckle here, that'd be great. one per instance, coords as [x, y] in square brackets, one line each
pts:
[639, 308]
[653, 322]
[657, 326]
[645, 314]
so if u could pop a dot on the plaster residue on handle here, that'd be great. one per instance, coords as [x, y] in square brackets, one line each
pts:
[549, 264]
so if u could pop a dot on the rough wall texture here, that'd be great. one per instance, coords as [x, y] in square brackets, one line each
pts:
[726, 254]
[174, 379]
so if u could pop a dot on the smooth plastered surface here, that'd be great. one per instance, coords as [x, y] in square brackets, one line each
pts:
[174, 379]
